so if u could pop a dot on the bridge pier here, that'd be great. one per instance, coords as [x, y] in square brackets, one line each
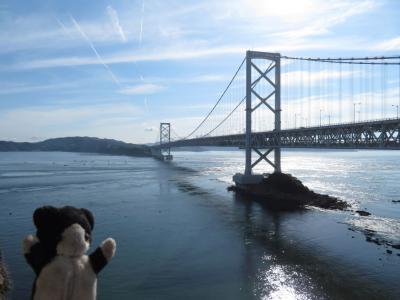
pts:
[273, 80]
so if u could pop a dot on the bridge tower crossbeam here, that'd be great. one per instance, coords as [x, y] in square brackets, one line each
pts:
[270, 76]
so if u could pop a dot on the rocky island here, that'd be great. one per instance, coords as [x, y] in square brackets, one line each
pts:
[285, 192]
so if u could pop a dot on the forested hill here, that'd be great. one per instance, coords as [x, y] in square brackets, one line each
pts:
[79, 144]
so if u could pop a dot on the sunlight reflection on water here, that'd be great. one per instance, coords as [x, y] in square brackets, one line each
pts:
[385, 227]
[367, 180]
[280, 283]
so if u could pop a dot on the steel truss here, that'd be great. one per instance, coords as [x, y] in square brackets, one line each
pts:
[363, 135]
[383, 134]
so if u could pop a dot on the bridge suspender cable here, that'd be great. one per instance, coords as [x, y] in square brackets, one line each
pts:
[220, 123]
[220, 98]
[235, 108]
[356, 92]
[176, 135]
[399, 89]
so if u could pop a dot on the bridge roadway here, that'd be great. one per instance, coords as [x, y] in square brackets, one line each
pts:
[379, 134]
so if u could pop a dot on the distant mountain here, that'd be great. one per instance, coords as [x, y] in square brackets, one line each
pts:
[79, 144]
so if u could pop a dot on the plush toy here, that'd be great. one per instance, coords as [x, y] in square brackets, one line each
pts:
[57, 254]
[4, 280]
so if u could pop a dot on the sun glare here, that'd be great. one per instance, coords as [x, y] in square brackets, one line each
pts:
[297, 9]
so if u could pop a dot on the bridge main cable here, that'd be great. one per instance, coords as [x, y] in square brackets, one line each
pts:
[350, 60]
[219, 100]
[226, 118]
[236, 107]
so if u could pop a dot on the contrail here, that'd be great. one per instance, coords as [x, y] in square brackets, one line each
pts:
[141, 24]
[62, 26]
[94, 50]
[140, 44]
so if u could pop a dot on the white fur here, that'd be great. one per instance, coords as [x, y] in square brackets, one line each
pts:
[73, 242]
[108, 247]
[28, 242]
[69, 278]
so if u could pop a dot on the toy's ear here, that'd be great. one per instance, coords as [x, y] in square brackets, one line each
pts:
[88, 214]
[44, 216]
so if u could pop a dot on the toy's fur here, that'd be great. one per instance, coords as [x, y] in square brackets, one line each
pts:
[5, 283]
[57, 254]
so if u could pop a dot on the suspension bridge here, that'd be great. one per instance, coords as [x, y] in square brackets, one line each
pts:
[275, 101]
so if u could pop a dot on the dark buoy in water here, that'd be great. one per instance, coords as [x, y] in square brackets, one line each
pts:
[363, 213]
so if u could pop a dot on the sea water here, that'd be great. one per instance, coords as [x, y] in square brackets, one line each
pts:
[181, 235]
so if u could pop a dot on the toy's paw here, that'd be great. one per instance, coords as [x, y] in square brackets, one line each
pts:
[108, 247]
[28, 242]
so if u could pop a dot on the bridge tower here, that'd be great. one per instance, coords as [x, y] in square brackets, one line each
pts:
[272, 77]
[165, 138]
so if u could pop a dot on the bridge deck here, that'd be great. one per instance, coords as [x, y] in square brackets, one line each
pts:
[380, 134]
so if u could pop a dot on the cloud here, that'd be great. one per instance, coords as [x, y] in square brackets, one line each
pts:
[294, 78]
[37, 32]
[339, 110]
[142, 89]
[278, 12]
[35, 139]
[187, 79]
[215, 33]
[56, 114]
[55, 121]
[174, 53]
[313, 17]
[99, 58]
[180, 53]
[206, 78]
[6, 89]
[141, 24]
[326, 16]
[115, 22]
[177, 23]
[64, 28]
[149, 129]
[389, 45]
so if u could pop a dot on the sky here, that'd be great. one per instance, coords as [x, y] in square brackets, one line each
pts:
[116, 69]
